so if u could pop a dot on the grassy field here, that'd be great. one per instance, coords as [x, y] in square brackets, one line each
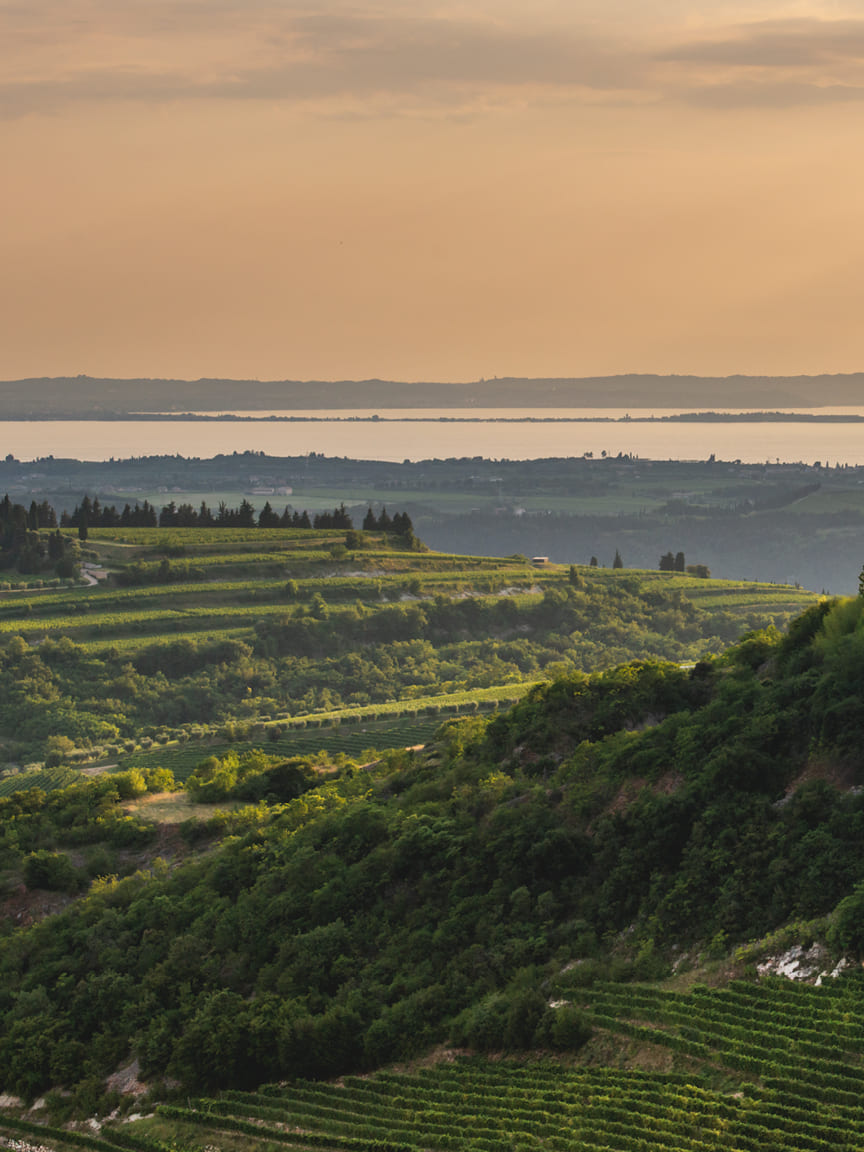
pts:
[175, 808]
[832, 500]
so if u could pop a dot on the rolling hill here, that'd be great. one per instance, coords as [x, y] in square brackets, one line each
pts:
[541, 927]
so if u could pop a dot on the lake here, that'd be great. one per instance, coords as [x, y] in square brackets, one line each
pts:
[399, 435]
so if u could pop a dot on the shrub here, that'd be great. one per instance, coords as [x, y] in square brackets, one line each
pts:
[846, 934]
[51, 871]
[568, 1029]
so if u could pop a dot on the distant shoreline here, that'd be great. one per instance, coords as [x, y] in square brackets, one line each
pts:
[707, 417]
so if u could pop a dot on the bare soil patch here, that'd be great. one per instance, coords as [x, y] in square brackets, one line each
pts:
[841, 774]
[24, 907]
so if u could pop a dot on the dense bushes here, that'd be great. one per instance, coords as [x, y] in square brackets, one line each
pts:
[518, 1020]
[52, 871]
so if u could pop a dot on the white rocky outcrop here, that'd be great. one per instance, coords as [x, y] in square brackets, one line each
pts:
[800, 963]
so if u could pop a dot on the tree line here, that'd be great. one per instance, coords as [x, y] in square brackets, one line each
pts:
[24, 548]
[93, 514]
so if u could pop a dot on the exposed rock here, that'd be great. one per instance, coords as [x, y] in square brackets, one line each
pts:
[800, 963]
[841, 966]
[126, 1080]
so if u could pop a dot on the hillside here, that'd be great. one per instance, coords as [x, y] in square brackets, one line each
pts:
[188, 639]
[599, 830]
[784, 522]
[579, 871]
[85, 397]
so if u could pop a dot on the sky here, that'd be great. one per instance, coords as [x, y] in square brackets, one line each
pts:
[421, 190]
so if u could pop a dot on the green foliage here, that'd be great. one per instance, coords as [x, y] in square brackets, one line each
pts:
[250, 776]
[520, 1019]
[112, 662]
[353, 916]
[846, 933]
[52, 871]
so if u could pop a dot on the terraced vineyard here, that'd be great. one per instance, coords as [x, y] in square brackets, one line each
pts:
[510, 891]
[102, 616]
[352, 742]
[748, 1067]
[213, 635]
[45, 778]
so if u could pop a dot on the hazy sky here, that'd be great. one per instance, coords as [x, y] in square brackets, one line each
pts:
[421, 190]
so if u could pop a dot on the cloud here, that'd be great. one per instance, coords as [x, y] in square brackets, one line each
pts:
[778, 44]
[775, 95]
[266, 51]
[56, 54]
[777, 64]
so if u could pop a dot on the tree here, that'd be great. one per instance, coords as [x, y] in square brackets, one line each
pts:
[680, 565]
[82, 525]
[168, 515]
[846, 934]
[341, 519]
[370, 523]
[593, 563]
[56, 546]
[667, 562]
[402, 524]
[617, 562]
[267, 518]
[58, 749]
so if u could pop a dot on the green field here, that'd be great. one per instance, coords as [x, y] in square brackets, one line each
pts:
[108, 613]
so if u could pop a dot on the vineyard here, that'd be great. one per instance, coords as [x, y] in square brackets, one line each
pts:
[751, 1067]
[356, 743]
[218, 636]
[45, 778]
[99, 616]
[541, 931]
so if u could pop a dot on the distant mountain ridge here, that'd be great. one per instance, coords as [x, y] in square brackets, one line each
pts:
[77, 397]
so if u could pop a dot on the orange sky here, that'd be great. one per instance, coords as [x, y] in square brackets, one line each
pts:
[430, 190]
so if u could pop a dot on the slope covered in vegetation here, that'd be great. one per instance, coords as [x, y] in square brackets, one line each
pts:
[217, 633]
[450, 894]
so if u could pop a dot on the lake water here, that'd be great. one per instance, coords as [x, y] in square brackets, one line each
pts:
[399, 435]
